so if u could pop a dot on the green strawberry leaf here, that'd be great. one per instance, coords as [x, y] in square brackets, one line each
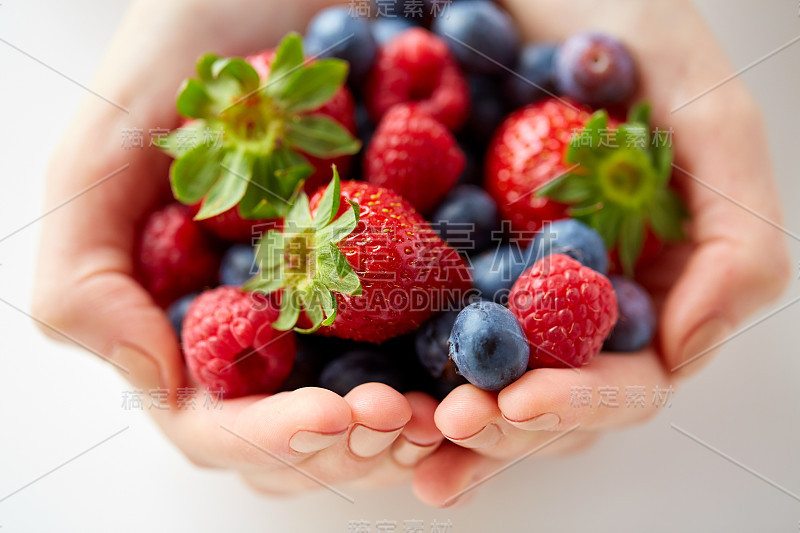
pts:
[239, 70]
[640, 113]
[194, 173]
[229, 188]
[311, 87]
[329, 204]
[630, 241]
[321, 136]
[576, 189]
[289, 58]
[666, 216]
[290, 310]
[193, 99]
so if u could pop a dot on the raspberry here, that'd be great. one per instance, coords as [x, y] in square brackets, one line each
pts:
[414, 155]
[174, 256]
[416, 67]
[566, 310]
[230, 345]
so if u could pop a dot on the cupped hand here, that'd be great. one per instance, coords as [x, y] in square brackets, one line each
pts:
[703, 289]
[98, 194]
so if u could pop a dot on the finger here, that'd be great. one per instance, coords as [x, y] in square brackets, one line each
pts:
[380, 414]
[420, 437]
[469, 417]
[440, 479]
[260, 432]
[614, 390]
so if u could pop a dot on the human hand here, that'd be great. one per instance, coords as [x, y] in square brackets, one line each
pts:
[98, 194]
[703, 289]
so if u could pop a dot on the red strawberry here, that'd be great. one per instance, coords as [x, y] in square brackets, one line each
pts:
[341, 108]
[566, 310]
[230, 225]
[369, 270]
[174, 256]
[527, 152]
[230, 345]
[415, 155]
[416, 67]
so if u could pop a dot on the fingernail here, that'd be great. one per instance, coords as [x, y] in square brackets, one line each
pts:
[138, 367]
[703, 342]
[408, 453]
[310, 441]
[537, 423]
[488, 436]
[367, 442]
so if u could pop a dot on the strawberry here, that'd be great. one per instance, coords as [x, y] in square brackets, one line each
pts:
[618, 183]
[231, 346]
[416, 67]
[566, 311]
[527, 152]
[279, 117]
[174, 257]
[368, 268]
[415, 155]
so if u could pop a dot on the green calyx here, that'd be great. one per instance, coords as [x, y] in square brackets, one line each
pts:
[245, 141]
[619, 184]
[304, 261]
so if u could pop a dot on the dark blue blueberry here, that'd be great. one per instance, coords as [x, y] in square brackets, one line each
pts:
[385, 29]
[358, 367]
[467, 219]
[337, 32]
[431, 343]
[637, 317]
[481, 35]
[536, 64]
[488, 346]
[177, 311]
[573, 238]
[495, 271]
[237, 265]
[487, 109]
[596, 69]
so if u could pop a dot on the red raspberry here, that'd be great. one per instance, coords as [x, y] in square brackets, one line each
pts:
[566, 310]
[341, 108]
[414, 154]
[416, 67]
[175, 257]
[230, 225]
[230, 345]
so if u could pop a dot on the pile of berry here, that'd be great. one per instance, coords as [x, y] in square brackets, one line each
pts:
[415, 201]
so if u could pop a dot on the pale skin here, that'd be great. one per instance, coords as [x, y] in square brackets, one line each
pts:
[704, 289]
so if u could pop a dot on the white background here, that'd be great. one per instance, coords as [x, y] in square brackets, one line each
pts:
[56, 401]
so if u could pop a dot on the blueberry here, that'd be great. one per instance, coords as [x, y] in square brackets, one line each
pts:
[432, 350]
[637, 317]
[487, 111]
[573, 238]
[488, 346]
[336, 32]
[495, 271]
[361, 366]
[467, 219]
[596, 69]
[536, 64]
[177, 311]
[238, 265]
[385, 29]
[481, 35]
